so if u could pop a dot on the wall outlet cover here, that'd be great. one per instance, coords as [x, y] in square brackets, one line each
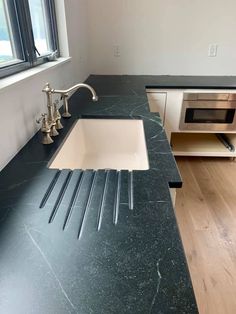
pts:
[212, 50]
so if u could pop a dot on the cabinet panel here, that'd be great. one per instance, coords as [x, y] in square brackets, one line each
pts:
[157, 103]
[173, 196]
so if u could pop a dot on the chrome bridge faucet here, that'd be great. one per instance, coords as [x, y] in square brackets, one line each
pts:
[64, 95]
[51, 121]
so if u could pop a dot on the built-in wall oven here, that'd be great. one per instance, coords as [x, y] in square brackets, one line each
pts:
[208, 112]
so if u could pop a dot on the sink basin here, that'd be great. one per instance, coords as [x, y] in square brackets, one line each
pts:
[103, 144]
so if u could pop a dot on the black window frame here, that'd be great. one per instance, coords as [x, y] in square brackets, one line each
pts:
[19, 13]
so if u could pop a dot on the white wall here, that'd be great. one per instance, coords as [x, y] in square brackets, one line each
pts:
[23, 102]
[162, 36]
[77, 32]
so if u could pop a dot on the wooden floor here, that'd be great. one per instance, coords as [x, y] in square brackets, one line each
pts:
[206, 215]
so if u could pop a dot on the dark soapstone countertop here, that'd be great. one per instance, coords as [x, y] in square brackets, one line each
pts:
[93, 241]
[137, 83]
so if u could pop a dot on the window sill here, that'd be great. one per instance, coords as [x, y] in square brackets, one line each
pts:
[25, 75]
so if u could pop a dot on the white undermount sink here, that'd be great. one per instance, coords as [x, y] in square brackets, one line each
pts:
[103, 144]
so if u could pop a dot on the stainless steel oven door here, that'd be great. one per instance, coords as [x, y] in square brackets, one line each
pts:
[208, 115]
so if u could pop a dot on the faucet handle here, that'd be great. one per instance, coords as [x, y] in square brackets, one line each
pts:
[45, 126]
[57, 115]
[45, 129]
[43, 115]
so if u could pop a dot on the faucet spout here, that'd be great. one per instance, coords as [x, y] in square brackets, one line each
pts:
[65, 94]
[76, 87]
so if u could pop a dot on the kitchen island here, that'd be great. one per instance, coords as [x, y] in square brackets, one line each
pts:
[96, 264]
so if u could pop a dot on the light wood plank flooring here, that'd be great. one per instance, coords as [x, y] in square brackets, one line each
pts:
[206, 215]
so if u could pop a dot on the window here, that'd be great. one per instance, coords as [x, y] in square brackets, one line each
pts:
[28, 34]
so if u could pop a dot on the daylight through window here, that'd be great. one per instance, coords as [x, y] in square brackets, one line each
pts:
[28, 34]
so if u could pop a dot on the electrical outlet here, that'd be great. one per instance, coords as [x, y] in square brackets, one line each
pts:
[116, 51]
[212, 50]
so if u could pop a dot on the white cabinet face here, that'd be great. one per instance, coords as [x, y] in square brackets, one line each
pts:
[157, 103]
[173, 110]
[168, 103]
[173, 196]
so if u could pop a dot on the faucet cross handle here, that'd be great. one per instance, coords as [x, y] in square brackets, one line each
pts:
[45, 129]
[57, 116]
[45, 126]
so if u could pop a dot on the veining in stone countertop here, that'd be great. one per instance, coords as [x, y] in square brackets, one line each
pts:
[93, 242]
